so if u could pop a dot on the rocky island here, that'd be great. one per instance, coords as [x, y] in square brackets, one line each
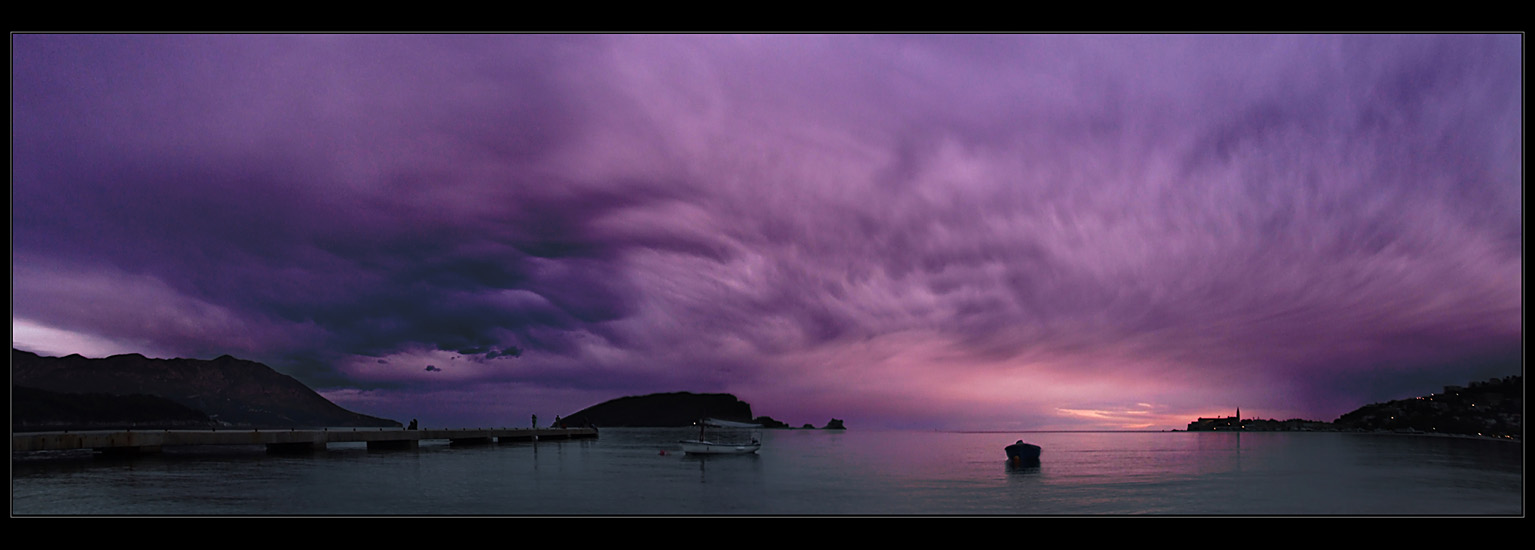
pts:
[675, 409]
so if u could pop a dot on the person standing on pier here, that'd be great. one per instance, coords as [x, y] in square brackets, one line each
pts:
[535, 421]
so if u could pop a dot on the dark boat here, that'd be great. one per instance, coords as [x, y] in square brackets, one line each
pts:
[1022, 453]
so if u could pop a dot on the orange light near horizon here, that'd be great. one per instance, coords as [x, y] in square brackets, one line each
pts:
[1126, 419]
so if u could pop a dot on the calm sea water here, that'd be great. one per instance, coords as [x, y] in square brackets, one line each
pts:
[641, 472]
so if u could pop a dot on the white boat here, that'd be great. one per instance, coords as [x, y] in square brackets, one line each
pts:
[718, 446]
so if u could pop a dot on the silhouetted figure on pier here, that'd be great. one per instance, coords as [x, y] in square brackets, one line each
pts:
[412, 424]
[535, 421]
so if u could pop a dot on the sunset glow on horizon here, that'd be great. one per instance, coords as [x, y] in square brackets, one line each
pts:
[1010, 232]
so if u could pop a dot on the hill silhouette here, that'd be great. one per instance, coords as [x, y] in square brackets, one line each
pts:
[1494, 407]
[34, 410]
[228, 391]
[662, 410]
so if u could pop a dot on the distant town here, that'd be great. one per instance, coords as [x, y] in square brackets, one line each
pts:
[1490, 408]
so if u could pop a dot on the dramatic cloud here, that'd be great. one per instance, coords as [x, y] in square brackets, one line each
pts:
[1018, 231]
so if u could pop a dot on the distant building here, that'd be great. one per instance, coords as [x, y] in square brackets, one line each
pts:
[1218, 423]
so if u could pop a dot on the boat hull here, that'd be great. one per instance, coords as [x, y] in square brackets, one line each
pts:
[713, 448]
[1022, 452]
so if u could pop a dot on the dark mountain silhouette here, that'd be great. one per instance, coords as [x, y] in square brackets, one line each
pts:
[229, 391]
[662, 410]
[35, 410]
[1491, 408]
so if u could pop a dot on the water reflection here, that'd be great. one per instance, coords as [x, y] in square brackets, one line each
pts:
[1023, 467]
[811, 472]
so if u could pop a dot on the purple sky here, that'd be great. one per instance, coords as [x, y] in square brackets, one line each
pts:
[985, 232]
